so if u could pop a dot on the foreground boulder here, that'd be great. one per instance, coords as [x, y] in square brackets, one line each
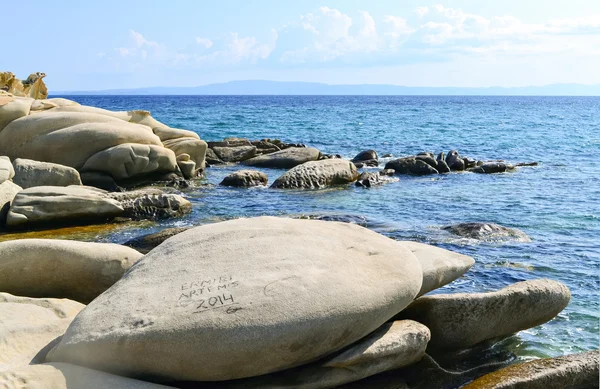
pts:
[577, 371]
[285, 159]
[67, 376]
[30, 173]
[6, 169]
[57, 268]
[440, 267]
[462, 320]
[245, 179]
[411, 165]
[8, 191]
[27, 325]
[487, 231]
[318, 175]
[145, 243]
[242, 298]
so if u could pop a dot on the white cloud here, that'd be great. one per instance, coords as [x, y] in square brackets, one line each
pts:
[140, 41]
[421, 11]
[207, 43]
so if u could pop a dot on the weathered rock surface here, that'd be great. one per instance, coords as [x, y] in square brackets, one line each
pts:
[492, 167]
[369, 179]
[440, 267]
[145, 243]
[33, 86]
[151, 204]
[235, 154]
[464, 319]
[212, 158]
[318, 174]
[365, 156]
[454, 161]
[67, 376]
[6, 169]
[411, 165]
[576, 371]
[27, 325]
[8, 191]
[56, 268]
[487, 231]
[30, 173]
[245, 297]
[285, 159]
[245, 178]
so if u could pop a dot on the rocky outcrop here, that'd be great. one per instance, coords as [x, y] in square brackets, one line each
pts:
[464, 319]
[492, 167]
[246, 297]
[454, 161]
[27, 325]
[369, 179]
[29, 173]
[411, 165]
[285, 159]
[56, 268]
[245, 179]
[487, 232]
[318, 175]
[235, 154]
[145, 243]
[33, 87]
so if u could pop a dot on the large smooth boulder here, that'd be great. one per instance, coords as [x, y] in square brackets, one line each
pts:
[8, 191]
[487, 231]
[576, 371]
[151, 204]
[7, 172]
[317, 175]
[12, 108]
[30, 173]
[242, 298]
[27, 325]
[411, 165]
[56, 268]
[67, 376]
[235, 154]
[440, 267]
[145, 243]
[462, 320]
[245, 178]
[285, 159]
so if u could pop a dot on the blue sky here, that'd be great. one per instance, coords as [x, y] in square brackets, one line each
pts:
[90, 45]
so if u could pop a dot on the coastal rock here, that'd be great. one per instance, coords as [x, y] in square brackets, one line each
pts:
[317, 175]
[454, 161]
[387, 172]
[212, 158]
[7, 172]
[245, 179]
[151, 204]
[265, 147]
[440, 267]
[428, 159]
[8, 191]
[186, 165]
[12, 108]
[369, 179]
[27, 325]
[192, 146]
[242, 298]
[56, 268]
[366, 155]
[462, 320]
[492, 167]
[67, 376]
[441, 164]
[145, 243]
[230, 142]
[99, 180]
[410, 165]
[487, 232]
[30, 173]
[285, 159]
[235, 154]
[576, 371]
[33, 86]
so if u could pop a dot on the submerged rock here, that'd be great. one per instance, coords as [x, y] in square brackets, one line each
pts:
[30, 173]
[285, 159]
[410, 165]
[492, 167]
[317, 175]
[462, 320]
[242, 298]
[57, 268]
[486, 231]
[246, 178]
[145, 243]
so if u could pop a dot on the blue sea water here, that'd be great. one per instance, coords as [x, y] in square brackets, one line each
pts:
[556, 203]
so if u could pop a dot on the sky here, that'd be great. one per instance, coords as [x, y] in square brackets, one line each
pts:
[95, 45]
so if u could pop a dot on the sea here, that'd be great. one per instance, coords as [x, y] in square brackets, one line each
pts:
[556, 203]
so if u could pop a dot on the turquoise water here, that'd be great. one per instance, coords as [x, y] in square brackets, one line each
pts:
[556, 203]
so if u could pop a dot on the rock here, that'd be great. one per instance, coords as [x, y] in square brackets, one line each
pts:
[6, 169]
[454, 161]
[230, 142]
[145, 243]
[462, 320]
[246, 297]
[520, 164]
[56, 268]
[428, 159]
[487, 231]
[469, 163]
[246, 178]
[576, 371]
[366, 155]
[33, 86]
[410, 165]
[235, 154]
[67, 376]
[27, 325]
[265, 147]
[187, 166]
[440, 267]
[369, 163]
[368, 179]
[99, 180]
[30, 173]
[8, 191]
[193, 147]
[442, 167]
[387, 172]
[388, 155]
[212, 158]
[492, 167]
[285, 159]
[151, 204]
[333, 156]
[317, 175]
[391, 346]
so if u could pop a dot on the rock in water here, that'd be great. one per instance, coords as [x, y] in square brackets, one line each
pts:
[492, 167]
[242, 298]
[454, 161]
[366, 155]
[30, 173]
[246, 178]
[27, 325]
[411, 165]
[67, 376]
[487, 231]
[285, 159]
[462, 320]
[57, 268]
[235, 154]
[577, 371]
[318, 174]
[145, 243]
[439, 266]
[7, 171]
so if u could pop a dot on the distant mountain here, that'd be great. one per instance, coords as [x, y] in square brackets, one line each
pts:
[260, 87]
